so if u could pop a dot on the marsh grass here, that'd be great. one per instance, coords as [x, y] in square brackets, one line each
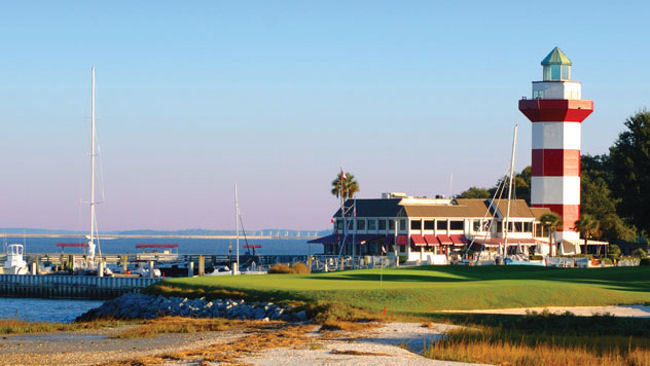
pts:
[15, 326]
[166, 325]
[546, 339]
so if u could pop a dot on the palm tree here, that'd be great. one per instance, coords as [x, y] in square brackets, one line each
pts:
[551, 222]
[345, 187]
[588, 226]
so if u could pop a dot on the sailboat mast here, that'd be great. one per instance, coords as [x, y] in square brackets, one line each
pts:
[512, 169]
[91, 237]
[235, 270]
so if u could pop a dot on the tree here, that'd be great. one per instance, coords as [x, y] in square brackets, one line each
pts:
[596, 201]
[614, 252]
[588, 226]
[475, 192]
[630, 167]
[551, 222]
[346, 187]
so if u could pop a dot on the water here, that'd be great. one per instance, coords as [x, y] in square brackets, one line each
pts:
[45, 310]
[185, 246]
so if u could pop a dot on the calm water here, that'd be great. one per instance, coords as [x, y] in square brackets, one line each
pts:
[62, 311]
[185, 246]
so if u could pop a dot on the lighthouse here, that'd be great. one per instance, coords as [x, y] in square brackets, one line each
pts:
[557, 111]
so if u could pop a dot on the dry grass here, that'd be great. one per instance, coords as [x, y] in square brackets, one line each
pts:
[357, 353]
[262, 336]
[15, 326]
[503, 348]
[348, 326]
[165, 325]
[296, 268]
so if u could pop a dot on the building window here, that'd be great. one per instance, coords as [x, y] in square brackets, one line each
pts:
[476, 225]
[528, 227]
[510, 229]
[519, 227]
[441, 224]
[457, 225]
[339, 224]
[382, 224]
[499, 226]
[429, 225]
[402, 225]
[391, 224]
[416, 225]
[372, 224]
[361, 224]
[350, 224]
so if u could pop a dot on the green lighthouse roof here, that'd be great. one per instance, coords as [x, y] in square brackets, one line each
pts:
[556, 57]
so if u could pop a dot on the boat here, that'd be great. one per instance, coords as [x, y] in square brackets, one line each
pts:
[14, 262]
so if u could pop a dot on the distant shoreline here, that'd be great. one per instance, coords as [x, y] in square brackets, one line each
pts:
[155, 236]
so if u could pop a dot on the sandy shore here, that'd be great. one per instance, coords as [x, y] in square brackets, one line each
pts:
[387, 344]
[634, 311]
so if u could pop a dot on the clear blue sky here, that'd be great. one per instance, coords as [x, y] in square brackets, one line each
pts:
[195, 96]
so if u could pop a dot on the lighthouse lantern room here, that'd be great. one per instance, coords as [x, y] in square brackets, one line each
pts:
[557, 111]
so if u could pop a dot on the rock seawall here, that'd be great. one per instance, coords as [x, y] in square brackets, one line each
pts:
[139, 306]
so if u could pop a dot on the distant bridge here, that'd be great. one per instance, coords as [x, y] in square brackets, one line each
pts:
[276, 235]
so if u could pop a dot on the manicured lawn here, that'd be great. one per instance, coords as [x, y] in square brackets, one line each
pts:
[422, 290]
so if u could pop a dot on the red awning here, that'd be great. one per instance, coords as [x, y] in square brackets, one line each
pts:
[458, 239]
[402, 240]
[444, 240]
[418, 240]
[431, 240]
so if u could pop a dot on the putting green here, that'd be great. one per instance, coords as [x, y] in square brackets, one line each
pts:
[427, 289]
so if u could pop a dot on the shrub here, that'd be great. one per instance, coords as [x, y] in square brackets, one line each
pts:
[640, 253]
[296, 268]
[606, 261]
[299, 268]
[280, 268]
[645, 261]
[614, 251]
[402, 259]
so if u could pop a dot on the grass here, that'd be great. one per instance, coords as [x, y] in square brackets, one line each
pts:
[166, 325]
[419, 291]
[15, 326]
[546, 339]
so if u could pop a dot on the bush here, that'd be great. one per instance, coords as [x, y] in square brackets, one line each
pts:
[402, 259]
[280, 268]
[296, 268]
[614, 251]
[645, 261]
[299, 268]
[606, 261]
[640, 253]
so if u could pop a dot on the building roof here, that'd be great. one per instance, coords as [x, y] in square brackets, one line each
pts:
[556, 57]
[538, 212]
[466, 207]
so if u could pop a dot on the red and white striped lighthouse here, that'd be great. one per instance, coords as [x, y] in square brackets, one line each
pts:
[557, 111]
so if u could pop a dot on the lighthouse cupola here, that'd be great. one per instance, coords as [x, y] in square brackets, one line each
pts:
[556, 66]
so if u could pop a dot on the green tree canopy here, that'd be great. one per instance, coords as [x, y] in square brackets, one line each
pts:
[630, 167]
[475, 192]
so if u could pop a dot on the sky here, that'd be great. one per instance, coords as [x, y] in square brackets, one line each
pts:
[195, 96]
